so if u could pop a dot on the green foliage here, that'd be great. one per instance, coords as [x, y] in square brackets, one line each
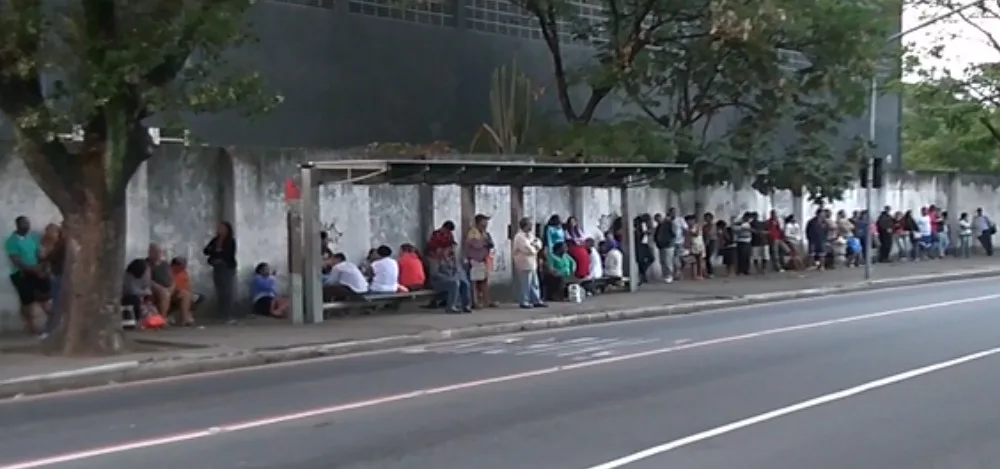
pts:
[626, 140]
[511, 100]
[714, 77]
[946, 130]
[728, 59]
[107, 65]
[951, 120]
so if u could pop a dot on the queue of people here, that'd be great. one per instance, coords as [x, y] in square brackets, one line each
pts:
[751, 244]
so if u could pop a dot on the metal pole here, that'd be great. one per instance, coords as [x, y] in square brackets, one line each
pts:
[870, 172]
[872, 116]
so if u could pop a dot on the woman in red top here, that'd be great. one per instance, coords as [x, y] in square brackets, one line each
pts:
[411, 268]
[580, 255]
[777, 236]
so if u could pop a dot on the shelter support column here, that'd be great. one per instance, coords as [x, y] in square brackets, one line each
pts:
[516, 213]
[632, 269]
[295, 259]
[425, 195]
[467, 197]
[312, 291]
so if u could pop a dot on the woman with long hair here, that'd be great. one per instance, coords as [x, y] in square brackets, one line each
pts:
[574, 232]
[221, 255]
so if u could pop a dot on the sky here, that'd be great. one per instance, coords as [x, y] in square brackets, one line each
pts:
[967, 47]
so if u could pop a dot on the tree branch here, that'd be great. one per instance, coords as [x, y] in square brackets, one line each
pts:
[173, 63]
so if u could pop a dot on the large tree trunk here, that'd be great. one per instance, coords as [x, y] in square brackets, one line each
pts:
[90, 193]
[92, 281]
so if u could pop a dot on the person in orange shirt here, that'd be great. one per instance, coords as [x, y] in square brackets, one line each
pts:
[411, 268]
[182, 284]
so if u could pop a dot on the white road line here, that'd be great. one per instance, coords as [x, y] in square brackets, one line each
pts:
[801, 406]
[559, 346]
[67, 457]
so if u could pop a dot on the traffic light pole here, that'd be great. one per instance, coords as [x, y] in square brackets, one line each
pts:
[870, 174]
[872, 115]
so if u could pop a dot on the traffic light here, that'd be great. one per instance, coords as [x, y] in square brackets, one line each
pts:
[877, 173]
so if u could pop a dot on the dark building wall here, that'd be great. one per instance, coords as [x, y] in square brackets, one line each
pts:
[352, 75]
[351, 79]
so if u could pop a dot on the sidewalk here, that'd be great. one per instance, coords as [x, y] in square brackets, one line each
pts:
[184, 351]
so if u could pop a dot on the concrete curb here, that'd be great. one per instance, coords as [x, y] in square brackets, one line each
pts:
[194, 362]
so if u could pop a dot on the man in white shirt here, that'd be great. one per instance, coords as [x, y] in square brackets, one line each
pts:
[385, 270]
[614, 261]
[526, 247]
[925, 231]
[596, 269]
[343, 280]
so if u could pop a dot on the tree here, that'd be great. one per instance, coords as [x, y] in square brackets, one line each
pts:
[105, 67]
[943, 129]
[979, 82]
[728, 60]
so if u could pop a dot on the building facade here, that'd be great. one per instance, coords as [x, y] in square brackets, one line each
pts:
[360, 71]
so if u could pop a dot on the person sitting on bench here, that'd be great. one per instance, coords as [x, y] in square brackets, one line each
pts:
[614, 261]
[450, 279]
[344, 280]
[385, 271]
[596, 267]
[558, 269]
[411, 268]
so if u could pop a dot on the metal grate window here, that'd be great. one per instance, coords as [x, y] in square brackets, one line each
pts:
[503, 17]
[429, 12]
[325, 4]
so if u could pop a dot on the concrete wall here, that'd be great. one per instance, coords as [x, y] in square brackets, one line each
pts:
[179, 196]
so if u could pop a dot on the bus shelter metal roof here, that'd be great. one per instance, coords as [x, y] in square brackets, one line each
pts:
[489, 173]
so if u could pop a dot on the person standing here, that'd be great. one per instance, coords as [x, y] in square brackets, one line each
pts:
[53, 254]
[478, 248]
[663, 237]
[984, 230]
[711, 236]
[964, 236]
[816, 236]
[743, 237]
[886, 226]
[22, 248]
[221, 255]
[526, 247]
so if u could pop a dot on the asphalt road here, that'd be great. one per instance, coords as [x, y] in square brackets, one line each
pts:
[647, 394]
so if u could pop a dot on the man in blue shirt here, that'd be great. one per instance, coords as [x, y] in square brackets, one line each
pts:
[23, 248]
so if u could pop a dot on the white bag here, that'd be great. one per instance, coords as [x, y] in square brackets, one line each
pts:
[477, 271]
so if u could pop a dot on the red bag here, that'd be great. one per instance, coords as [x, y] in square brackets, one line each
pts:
[154, 321]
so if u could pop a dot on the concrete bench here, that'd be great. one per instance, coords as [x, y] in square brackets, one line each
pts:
[371, 302]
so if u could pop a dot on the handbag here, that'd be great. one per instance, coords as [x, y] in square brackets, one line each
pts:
[477, 271]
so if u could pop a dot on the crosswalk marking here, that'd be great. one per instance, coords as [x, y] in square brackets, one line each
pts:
[576, 348]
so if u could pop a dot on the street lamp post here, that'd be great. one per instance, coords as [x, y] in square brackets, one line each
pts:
[872, 116]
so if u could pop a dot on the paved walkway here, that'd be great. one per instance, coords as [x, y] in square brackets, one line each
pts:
[18, 357]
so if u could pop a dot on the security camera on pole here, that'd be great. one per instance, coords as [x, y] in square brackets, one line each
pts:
[873, 174]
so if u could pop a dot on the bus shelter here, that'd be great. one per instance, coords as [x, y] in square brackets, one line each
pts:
[304, 243]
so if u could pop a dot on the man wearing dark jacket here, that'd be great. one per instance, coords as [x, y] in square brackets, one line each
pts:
[665, 239]
[885, 225]
[817, 230]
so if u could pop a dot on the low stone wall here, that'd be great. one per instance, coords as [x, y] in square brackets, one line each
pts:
[178, 196]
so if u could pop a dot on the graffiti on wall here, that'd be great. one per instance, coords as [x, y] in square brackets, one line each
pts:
[334, 230]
